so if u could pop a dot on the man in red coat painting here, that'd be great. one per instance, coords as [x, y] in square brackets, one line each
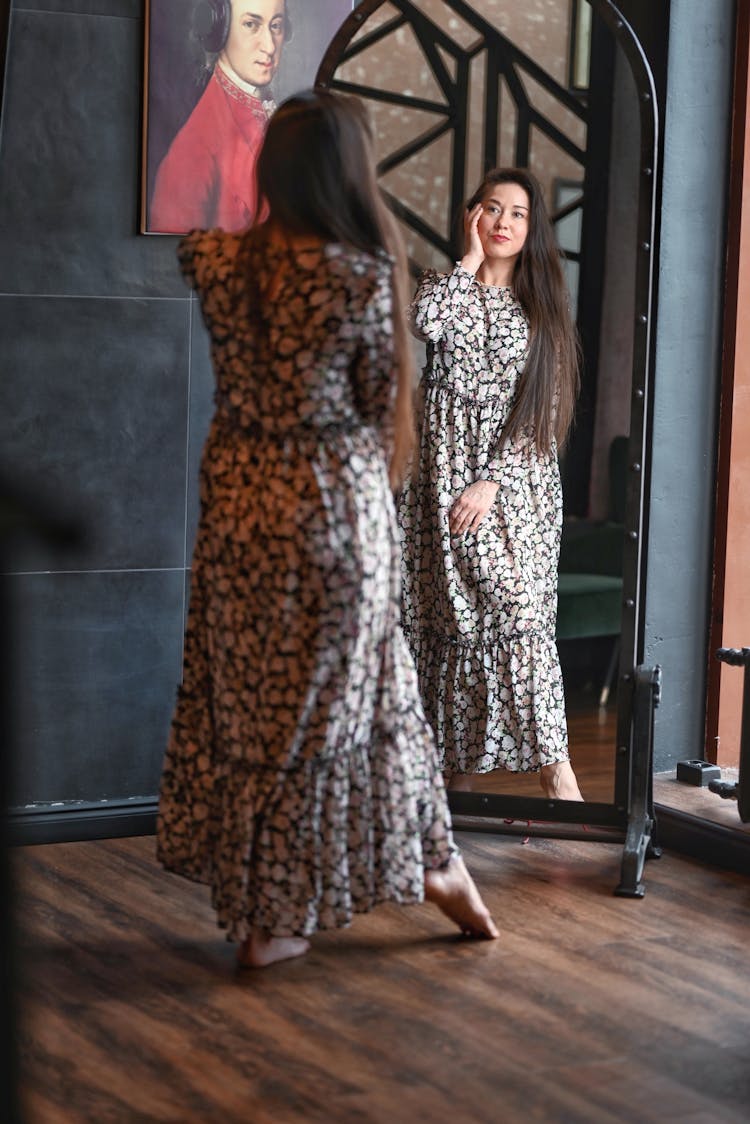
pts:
[207, 178]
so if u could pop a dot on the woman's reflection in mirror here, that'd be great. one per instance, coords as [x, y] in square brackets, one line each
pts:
[481, 513]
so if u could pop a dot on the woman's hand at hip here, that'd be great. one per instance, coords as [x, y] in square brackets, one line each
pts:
[472, 505]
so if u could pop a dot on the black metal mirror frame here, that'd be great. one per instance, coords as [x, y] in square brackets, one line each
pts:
[629, 818]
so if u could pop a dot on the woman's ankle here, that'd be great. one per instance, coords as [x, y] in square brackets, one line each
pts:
[559, 782]
[262, 948]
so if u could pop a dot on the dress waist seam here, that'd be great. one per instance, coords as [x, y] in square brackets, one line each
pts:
[432, 383]
[255, 431]
[544, 632]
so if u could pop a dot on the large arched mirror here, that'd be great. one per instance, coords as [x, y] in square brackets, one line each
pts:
[562, 87]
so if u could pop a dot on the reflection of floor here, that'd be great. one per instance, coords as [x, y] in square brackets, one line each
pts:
[591, 733]
[698, 801]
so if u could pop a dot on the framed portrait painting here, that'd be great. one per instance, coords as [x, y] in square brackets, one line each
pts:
[215, 70]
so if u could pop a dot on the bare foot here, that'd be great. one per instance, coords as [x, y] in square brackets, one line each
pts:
[261, 949]
[452, 890]
[559, 781]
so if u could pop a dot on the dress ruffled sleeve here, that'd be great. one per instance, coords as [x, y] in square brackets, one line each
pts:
[208, 260]
[438, 298]
[187, 255]
[204, 255]
[509, 458]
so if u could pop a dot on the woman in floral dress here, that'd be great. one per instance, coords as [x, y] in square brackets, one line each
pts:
[482, 512]
[301, 780]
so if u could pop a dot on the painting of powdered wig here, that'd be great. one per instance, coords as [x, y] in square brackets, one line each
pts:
[214, 72]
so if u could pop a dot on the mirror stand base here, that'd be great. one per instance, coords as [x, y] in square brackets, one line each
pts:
[640, 837]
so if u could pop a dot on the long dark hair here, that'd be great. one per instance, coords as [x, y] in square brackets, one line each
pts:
[316, 176]
[549, 384]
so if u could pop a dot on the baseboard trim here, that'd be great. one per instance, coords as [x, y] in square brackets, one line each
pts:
[709, 842]
[77, 823]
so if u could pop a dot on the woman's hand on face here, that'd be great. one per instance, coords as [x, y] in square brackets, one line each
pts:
[473, 249]
[472, 505]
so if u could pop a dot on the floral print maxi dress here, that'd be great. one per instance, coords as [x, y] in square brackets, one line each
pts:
[480, 609]
[301, 779]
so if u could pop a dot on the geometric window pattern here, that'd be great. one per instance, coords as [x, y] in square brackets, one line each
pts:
[451, 95]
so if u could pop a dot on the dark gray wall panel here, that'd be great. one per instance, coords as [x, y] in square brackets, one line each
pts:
[687, 375]
[186, 605]
[96, 662]
[93, 411]
[132, 9]
[94, 400]
[69, 176]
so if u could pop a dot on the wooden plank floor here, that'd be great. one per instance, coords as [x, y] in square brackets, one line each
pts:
[590, 1008]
